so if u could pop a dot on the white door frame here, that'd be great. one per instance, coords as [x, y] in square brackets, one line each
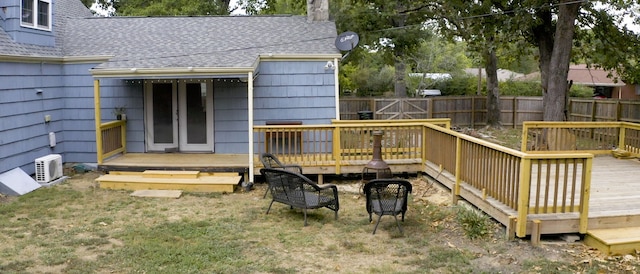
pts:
[182, 117]
[179, 117]
[151, 145]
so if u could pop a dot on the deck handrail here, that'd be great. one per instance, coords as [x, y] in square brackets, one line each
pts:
[589, 137]
[527, 183]
[112, 139]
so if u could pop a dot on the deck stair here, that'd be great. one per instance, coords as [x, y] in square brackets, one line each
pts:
[614, 241]
[190, 181]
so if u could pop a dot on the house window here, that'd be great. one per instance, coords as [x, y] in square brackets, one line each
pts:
[36, 14]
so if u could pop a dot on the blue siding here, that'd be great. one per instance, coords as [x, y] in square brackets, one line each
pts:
[24, 135]
[294, 90]
[22, 34]
[282, 91]
[231, 123]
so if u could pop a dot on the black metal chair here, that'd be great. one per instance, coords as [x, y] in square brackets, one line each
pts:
[387, 197]
[271, 161]
[296, 190]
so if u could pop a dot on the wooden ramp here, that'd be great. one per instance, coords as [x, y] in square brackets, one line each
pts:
[190, 181]
[614, 241]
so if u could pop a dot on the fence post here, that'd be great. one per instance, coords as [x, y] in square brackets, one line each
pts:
[622, 136]
[430, 108]
[473, 111]
[593, 111]
[515, 111]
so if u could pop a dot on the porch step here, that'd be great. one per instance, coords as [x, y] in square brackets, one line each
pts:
[190, 181]
[614, 241]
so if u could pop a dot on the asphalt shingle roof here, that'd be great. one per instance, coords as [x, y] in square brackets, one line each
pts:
[168, 42]
[218, 41]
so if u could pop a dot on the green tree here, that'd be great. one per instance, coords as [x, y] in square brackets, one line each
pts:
[264, 7]
[392, 27]
[472, 21]
[162, 7]
[555, 26]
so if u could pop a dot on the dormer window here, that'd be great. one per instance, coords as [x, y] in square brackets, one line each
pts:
[36, 14]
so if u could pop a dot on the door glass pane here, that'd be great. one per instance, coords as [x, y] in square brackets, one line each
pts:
[162, 113]
[196, 113]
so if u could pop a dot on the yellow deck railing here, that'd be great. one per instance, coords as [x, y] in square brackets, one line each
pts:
[590, 137]
[112, 139]
[526, 182]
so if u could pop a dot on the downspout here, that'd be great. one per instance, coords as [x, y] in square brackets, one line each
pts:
[336, 87]
[249, 183]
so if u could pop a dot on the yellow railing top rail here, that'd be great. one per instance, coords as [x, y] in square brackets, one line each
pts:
[112, 124]
[560, 124]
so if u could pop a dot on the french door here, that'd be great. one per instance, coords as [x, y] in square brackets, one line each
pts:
[179, 116]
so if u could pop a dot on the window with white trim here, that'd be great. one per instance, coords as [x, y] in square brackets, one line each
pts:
[36, 14]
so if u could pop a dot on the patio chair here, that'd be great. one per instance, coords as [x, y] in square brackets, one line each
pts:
[271, 161]
[296, 190]
[387, 197]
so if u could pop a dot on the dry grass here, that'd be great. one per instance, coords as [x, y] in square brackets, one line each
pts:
[76, 227]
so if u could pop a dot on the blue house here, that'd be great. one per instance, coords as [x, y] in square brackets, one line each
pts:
[186, 84]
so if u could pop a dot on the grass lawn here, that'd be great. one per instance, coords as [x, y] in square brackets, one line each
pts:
[75, 227]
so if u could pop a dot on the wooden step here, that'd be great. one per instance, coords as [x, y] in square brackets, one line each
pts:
[165, 180]
[175, 174]
[614, 241]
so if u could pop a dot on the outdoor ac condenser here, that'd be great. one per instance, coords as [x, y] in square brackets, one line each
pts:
[48, 168]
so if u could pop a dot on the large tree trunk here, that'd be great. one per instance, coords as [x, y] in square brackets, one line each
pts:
[400, 86]
[543, 34]
[493, 92]
[555, 99]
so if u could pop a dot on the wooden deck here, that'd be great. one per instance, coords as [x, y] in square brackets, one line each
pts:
[614, 199]
[205, 162]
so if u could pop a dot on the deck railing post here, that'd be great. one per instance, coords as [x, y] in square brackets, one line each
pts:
[525, 134]
[622, 135]
[123, 136]
[337, 148]
[523, 197]
[584, 196]
[98, 121]
[456, 188]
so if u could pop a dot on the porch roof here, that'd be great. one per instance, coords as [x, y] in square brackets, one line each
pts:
[206, 42]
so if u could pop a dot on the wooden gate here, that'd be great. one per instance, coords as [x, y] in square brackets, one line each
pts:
[402, 108]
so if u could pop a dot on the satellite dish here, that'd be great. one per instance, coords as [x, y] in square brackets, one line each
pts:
[346, 41]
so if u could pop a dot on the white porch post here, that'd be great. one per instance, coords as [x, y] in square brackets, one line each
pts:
[250, 108]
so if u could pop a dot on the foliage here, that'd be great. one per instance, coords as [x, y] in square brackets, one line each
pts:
[393, 28]
[373, 82]
[163, 7]
[263, 7]
[474, 223]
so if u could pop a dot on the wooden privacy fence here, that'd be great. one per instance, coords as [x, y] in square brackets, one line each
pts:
[471, 111]
[521, 183]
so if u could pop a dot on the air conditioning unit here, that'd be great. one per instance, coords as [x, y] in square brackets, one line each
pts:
[48, 168]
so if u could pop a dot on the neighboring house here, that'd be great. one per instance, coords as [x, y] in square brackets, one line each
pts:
[605, 84]
[503, 74]
[187, 83]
